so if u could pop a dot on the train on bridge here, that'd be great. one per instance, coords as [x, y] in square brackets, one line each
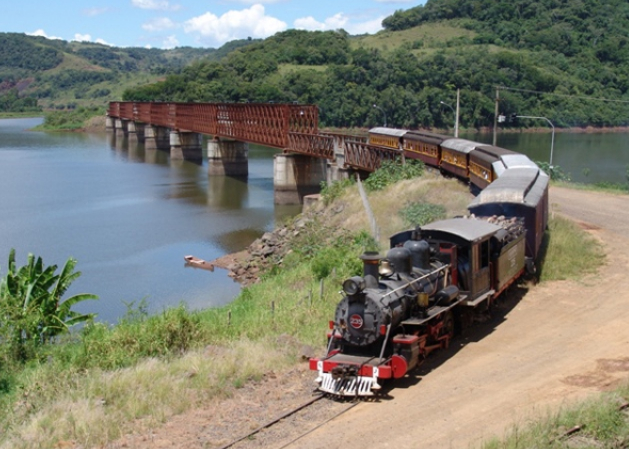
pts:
[435, 278]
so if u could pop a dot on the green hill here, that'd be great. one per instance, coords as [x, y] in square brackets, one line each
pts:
[55, 74]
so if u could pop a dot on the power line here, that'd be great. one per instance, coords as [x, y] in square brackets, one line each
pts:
[561, 95]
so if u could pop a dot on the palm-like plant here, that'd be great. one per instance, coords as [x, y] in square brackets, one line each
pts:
[32, 311]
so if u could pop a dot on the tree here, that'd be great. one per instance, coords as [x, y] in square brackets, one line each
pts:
[32, 311]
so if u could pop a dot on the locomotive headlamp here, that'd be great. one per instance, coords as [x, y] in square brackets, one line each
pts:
[354, 285]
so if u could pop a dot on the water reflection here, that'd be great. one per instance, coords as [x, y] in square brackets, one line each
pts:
[586, 157]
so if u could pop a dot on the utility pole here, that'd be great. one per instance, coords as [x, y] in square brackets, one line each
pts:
[496, 113]
[456, 122]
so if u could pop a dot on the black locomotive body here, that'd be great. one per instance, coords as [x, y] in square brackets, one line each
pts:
[406, 305]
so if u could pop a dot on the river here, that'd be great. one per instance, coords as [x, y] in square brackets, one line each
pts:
[129, 216]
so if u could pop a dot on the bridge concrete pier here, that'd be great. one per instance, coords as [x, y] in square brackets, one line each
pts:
[110, 124]
[228, 158]
[185, 145]
[121, 127]
[337, 173]
[156, 138]
[135, 131]
[296, 176]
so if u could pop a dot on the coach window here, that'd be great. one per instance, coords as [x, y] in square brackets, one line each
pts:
[484, 254]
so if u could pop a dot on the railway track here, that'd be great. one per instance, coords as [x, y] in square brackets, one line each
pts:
[285, 429]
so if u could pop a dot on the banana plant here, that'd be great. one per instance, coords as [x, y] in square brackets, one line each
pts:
[32, 308]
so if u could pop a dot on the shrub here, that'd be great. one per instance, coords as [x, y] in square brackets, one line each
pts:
[391, 172]
[418, 214]
[555, 173]
[32, 311]
[330, 192]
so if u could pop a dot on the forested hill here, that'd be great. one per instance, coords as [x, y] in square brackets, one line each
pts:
[37, 72]
[590, 27]
[559, 59]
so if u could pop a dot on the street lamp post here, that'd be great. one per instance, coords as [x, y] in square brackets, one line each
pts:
[552, 138]
[383, 113]
[456, 117]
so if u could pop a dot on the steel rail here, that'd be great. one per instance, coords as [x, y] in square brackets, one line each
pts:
[274, 421]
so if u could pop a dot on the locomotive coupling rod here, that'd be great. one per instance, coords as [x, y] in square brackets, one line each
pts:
[445, 267]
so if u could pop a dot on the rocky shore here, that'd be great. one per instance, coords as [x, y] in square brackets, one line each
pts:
[264, 253]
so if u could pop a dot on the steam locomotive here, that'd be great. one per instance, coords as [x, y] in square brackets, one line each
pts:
[434, 279]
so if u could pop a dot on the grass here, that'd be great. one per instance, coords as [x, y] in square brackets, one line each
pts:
[424, 36]
[69, 120]
[602, 424]
[105, 381]
[570, 252]
[605, 187]
[21, 114]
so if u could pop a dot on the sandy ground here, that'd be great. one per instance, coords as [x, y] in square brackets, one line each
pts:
[542, 349]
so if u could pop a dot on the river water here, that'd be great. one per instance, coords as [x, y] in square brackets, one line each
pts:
[129, 216]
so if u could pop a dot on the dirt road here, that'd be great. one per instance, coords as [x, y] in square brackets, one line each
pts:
[558, 343]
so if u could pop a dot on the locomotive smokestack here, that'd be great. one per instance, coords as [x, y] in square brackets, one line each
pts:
[371, 263]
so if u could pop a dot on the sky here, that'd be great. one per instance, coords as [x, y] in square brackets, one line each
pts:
[195, 23]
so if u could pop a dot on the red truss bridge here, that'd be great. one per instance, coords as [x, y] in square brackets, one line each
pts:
[293, 128]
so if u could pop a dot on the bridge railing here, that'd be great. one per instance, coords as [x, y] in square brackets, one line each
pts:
[263, 123]
[368, 157]
[312, 144]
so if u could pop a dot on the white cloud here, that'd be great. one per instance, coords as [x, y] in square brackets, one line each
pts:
[104, 42]
[170, 42]
[251, 22]
[369, 27]
[42, 33]
[82, 37]
[88, 38]
[331, 23]
[159, 24]
[163, 5]
[338, 21]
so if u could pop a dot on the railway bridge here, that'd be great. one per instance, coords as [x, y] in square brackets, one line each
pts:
[308, 156]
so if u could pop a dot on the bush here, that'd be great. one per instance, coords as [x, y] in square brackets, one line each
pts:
[330, 192]
[32, 309]
[391, 172]
[555, 173]
[418, 214]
